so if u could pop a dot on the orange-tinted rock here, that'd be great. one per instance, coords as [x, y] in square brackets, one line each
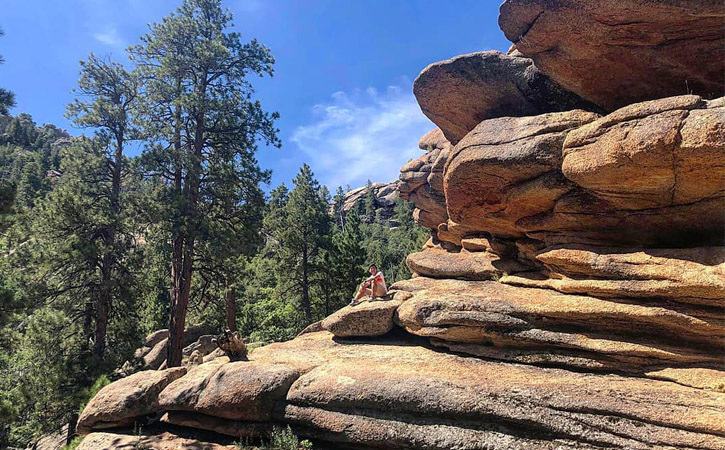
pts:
[372, 317]
[439, 263]
[420, 398]
[618, 52]
[653, 154]
[123, 402]
[240, 390]
[492, 314]
[458, 93]
[507, 169]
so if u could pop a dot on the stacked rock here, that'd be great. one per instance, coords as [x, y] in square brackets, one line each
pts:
[571, 296]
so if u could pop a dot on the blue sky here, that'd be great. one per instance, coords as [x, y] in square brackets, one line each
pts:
[343, 76]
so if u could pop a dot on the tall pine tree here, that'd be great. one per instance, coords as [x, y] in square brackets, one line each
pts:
[204, 127]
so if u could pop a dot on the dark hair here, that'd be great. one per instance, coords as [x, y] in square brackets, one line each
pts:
[372, 265]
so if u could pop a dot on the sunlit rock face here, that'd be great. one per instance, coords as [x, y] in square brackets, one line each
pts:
[571, 294]
[618, 52]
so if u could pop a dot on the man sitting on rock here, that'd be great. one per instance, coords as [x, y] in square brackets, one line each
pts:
[373, 286]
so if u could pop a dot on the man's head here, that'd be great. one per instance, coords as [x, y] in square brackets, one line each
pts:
[373, 269]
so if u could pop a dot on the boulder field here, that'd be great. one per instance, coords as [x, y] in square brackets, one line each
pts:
[572, 293]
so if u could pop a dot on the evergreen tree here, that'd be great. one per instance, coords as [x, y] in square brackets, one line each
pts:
[204, 127]
[302, 234]
[349, 258]
[7, 98]
[370, 202]
[338, 211]
[110, 94]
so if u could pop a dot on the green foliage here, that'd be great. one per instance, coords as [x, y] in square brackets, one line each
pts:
[96, 248]
[74, 443]
[90, 392]
[280, 439]
[7, 98]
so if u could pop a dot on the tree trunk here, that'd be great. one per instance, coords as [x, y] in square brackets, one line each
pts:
[104, 300]
[179, 307]
[72, 422]
[306, 287]
[109, 259]
[177, 256]
[231, 302]
[180, 302]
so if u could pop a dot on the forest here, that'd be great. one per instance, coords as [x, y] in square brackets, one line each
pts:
[99, 248]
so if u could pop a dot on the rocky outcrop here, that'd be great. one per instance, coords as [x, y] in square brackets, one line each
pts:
[421, 181]
[241, 390]
[157, 439]
[152, 354]
[571, 294]
[369, 317]
[650, 173]
[127, 400]
[386, 196]
[369, 393]
[540, 326]
[458, 93]
[618, 52]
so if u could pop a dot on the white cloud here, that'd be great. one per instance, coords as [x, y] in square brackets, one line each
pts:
[109, 37]
[363, 135]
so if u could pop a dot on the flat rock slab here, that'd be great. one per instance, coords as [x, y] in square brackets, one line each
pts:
[421, 398]
[368, 318]
[576, 331]
[688, 275]
[161, 441]
[617, 52]
[122, 402]
[227, 427]
[438, 263]
[458, 93]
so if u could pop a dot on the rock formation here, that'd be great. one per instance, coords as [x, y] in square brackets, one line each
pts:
[386, 194]
[571, 295]
[618, 52]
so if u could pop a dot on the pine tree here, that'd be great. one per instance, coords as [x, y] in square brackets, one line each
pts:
[338, 208]
[110, 94]
[349, 258]
[200, 115]
[303, 233]
[7, 98]
[370, 202]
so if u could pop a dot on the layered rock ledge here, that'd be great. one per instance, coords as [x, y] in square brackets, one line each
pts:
[572, 293]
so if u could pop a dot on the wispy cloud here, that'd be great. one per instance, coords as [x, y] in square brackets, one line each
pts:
[361, 135]
[109, 37]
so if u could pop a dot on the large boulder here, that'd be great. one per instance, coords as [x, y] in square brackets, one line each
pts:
[617, 52]
[507, 169]
[239, 390]
[155, 337]
[458, 93]
[653, 154]
[648, 174]
[123, 402]
[157, 355]
[439, 263]
[372, 317]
